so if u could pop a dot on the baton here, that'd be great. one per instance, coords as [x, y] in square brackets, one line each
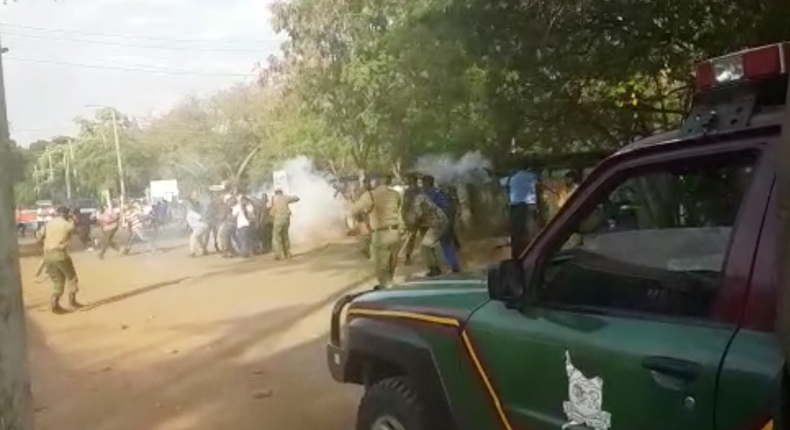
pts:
[409, 236]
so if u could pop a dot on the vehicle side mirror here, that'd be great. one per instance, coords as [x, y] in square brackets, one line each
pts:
[507, 281]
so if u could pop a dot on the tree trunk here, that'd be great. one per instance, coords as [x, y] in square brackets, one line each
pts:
[15, 397]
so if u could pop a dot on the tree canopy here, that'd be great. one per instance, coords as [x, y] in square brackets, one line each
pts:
[375, 84]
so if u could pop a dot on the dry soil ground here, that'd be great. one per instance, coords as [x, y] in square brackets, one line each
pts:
[169, 343]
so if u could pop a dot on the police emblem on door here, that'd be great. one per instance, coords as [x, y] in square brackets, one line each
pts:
[585, 400]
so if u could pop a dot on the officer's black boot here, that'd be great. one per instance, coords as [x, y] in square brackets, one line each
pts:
[434, 271]
[54, 305]
[73, 303]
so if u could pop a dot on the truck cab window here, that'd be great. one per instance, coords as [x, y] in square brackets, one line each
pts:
[656, 243]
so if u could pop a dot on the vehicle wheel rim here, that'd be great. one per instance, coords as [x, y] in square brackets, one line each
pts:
[387, 422]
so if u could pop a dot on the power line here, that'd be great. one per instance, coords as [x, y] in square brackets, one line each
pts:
[127, 69]
[124, 36]
[133, 45]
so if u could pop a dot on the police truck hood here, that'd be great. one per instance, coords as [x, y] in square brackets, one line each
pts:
[455, 295]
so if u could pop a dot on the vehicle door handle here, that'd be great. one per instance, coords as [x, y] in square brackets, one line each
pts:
[674, 367]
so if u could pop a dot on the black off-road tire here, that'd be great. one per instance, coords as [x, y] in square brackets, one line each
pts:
[396, 398]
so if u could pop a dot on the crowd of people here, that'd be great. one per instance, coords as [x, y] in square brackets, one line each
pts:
[392, 223]
[241, 226]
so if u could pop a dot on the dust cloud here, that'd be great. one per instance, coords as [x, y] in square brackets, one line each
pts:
[445, 169]
[318, 216]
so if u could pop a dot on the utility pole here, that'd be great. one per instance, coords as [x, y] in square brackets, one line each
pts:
[67, 172]
[119, 160]
[16, 411]
[51, 175]
[118, 157]
[73, 171]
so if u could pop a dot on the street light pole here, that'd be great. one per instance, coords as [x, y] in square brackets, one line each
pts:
[16, 412]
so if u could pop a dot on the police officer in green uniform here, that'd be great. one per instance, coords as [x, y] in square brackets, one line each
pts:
[264, 225]
[412, 233]
[54, 241]
[361, 219]
[280, 212]
[382, 206]
[423, 214]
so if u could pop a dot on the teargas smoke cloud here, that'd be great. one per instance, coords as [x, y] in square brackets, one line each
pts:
[318, 216]
[446, 168]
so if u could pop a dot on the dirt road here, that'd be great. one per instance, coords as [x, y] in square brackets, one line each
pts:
[172, 343]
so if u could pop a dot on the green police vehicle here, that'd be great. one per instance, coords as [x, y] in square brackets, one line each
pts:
[646, 303]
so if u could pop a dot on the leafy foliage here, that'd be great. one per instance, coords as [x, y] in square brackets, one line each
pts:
[374, 84]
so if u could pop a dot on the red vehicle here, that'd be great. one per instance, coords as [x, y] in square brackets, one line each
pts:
[25, 220]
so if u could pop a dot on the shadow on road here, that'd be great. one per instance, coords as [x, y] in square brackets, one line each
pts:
[251, 375]
[260, 371]
[328, 259]
[133, 293]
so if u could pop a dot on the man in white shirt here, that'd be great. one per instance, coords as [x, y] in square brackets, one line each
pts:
[199, 227]
[41, 218]
[243, 212]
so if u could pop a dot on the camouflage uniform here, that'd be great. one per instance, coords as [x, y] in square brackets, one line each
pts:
[281, 221]
[413, 233]
[382, 206]
[264, 226]
[423, 213]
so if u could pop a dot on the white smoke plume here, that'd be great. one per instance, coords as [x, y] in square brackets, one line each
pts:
[318, 216]
[446, 169]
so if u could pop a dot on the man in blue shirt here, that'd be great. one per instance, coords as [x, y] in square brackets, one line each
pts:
[447, 240]
[522, 188]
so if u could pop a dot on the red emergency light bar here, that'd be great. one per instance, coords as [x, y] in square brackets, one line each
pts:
[748, 65]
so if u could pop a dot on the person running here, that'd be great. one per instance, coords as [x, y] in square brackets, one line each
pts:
[198, 239]
[139, 226]
[82, 221]
[57, 261]
[108, 222]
